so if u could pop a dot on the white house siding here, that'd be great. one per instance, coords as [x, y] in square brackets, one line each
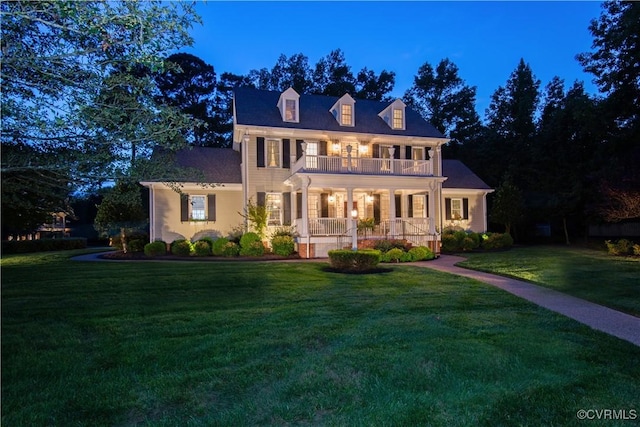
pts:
[265, 179]
[165, 216]
[476, 220]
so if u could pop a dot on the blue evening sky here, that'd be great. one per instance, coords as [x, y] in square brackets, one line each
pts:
[484, 39]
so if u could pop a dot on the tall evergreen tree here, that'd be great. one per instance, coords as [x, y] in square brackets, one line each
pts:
[332, 76]
[189, 83]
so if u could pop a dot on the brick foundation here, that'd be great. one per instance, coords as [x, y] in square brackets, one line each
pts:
[302, 250]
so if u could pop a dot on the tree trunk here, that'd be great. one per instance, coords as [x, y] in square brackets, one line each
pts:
[566, 232]
[123, 240]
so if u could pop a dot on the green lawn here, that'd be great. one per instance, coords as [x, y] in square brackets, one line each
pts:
[271, 343]
[585, 273]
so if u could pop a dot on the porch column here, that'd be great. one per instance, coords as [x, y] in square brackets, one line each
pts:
[306, 181]
[392, 211]
[392, 160]
[350, 207]
[431, 154]
[431, 208]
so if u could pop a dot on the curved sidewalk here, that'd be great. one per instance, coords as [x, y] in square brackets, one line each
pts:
[621, 325]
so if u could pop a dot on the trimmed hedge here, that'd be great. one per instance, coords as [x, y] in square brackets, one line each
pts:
[43, 245]
[219, 245]
[230, 249]
[283, 245]
[201, 248]
[181, 247]
[154, 249]
[251, 245]
[354, 261]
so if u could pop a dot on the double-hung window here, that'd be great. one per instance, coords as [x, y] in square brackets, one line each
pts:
[456, 209]
[347, 115]
[312, 155]
[290, 112]
[273, 153]
[198, 207]
[273, 203]
[398, 119]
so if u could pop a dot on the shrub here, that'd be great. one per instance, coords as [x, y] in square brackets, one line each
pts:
[201, 248]
[230, 249]
[621, 247]
[387, 244]
[449, 243]
[136, 245]
[209, 240]
[636, 249]
[252, 248]
[116, 240]
[42, 245]
[283, 245]
[181, 247]
[157, 248]
[420, 253]
[248, 238]
[285, 230]
[468, 244]
[497, 241]
[218, 246]
[406, 257]
[354, 261]
[392, 255]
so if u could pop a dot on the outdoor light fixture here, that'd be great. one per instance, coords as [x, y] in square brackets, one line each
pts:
[369, 198]
[332, 198]
[354, 230]
[354, 213]
[364, 149]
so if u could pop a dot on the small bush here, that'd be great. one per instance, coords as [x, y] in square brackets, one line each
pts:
[621, 247]
[136, 245]
[116, 240]
[421, 253]
[230, 249]
[449, 243]
[154, 249]
[468, 244]
[636, 249]
[497, 241]
[283, 245]
[252, 249]
[248, 238]
[209, 240]
[354, 261]
[201, 248]
[392, 255]
[285, 230]
[181, 247]
[388, 244]
[219, 245]
[406, 257]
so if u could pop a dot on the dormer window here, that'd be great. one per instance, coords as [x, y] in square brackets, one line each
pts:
[394, 115]
[344, 111]
[347, 115]
[289, 106]
[398, 118]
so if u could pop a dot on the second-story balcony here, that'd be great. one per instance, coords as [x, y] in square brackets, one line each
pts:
[362, 165]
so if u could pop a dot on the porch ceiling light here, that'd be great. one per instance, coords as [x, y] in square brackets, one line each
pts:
[364, 149]
[354, 213]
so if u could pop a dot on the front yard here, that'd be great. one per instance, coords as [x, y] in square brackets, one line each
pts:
[274, 343]
[585, 273]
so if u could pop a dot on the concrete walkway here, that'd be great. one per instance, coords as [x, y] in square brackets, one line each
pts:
[612, 322]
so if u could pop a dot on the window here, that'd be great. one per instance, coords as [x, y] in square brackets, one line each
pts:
[273, 153]
[198, 208]
[290, 111]
[398, 119]
[456, 209]
[347, 114]
[312, 153]
[417, 153]
[418, 206]
[273, 203]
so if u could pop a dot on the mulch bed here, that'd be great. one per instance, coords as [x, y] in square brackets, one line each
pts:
[140, 256]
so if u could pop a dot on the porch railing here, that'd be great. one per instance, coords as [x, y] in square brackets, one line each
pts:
[362, 165]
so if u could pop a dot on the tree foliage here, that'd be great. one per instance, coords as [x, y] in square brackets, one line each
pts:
[122, 211]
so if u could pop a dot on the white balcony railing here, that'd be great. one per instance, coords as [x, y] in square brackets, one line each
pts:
[392, 228]
[362, 165]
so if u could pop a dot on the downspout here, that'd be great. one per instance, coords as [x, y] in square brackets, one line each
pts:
[152, 216]
[244, 146]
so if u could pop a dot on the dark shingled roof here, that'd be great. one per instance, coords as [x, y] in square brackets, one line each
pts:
[220, 165]
[460, 176]
[259, 108]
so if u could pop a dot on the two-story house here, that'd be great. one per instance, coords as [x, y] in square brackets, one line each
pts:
[327, 166]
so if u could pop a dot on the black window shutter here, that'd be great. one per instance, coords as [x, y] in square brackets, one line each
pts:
[299, 148]
[376, 151]
[407, 152]
[322, 149]
[262, 198]
[465, 208]
[398, 206]
[376, 208]
[260, 153]
[396, 152]
[324, 205]
[298, 205]
[184, 207]
[447, 208]
[286, 153]
[286, 205]
[410, 207]
[211, 207]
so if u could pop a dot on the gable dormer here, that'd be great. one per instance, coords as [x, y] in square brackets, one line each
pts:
[344, 110]
[289, 106]
[394, 115]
